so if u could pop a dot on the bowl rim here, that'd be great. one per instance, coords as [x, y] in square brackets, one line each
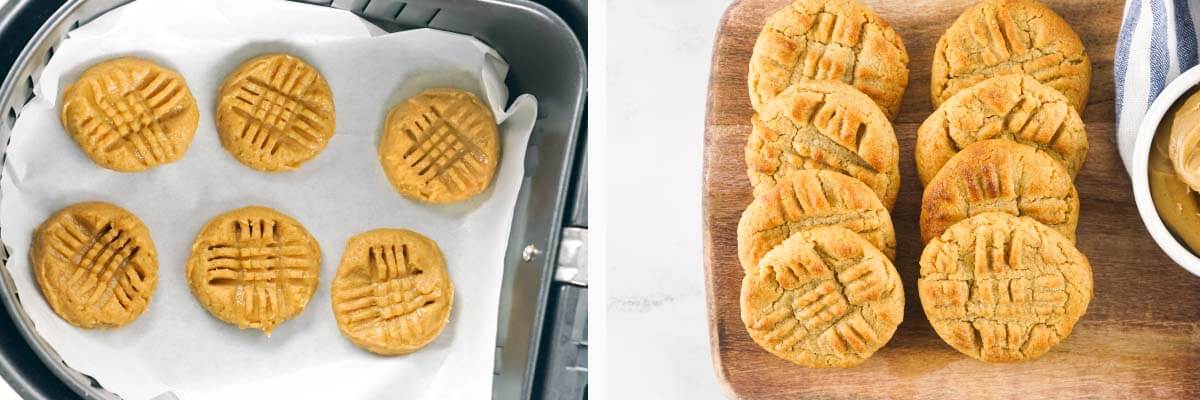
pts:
[1139, 174]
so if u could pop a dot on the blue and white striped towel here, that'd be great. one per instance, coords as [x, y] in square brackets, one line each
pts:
[1156, 44]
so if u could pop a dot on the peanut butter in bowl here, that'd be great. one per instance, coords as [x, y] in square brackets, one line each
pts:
[1174, 163]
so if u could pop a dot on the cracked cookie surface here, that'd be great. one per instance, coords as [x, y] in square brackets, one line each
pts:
[840, 40]
[440, 146]
[1012, 107]
[392, 294]
[275, 112]
[254, 267]
[1002, 176]
[1003, 288]
[95, 264]
[998, 37]
[130, 114]
[810, 199]
[823, 298]
[824, 125]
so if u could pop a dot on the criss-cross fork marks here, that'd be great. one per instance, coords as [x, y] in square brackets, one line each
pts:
[440, 150]
[103, 263]
[261, 267]
[395, 296]
[133, 121]
[275, 111]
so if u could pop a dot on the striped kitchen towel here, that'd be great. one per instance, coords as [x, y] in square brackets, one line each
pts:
[1157, 42]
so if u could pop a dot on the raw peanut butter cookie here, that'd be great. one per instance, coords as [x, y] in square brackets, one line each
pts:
[810, 199]
[130, 114]
[1013, 107]
[440, 146]
[824, 125]
[839, 40]
[275, 112]
[1003, 288]
[95, 264]
[823, 298]
[998, 37]
[254, 267]
[1002, 176]
[392, 294]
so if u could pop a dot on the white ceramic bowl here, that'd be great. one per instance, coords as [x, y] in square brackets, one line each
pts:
[1140, 175]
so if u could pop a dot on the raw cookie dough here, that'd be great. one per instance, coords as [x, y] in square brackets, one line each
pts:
[96, 265]
[392, 294]
[275, 112]
[130, 114]
[440, 146]
[254, 267]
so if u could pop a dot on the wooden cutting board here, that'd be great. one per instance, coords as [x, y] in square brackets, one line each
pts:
[1140, 337]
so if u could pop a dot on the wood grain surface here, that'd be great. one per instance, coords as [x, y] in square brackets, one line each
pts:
[1140, 337]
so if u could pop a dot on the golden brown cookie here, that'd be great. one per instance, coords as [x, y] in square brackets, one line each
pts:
[998, 37]
[824, 125]
[392, 294]
[130, 114]
[1002, 288]
[96, 265]
[275, 112]
[810, 199]
[254, 267]
[1002, 176]
[823, 298]
[1013, 107]
[440, 146]
[839, 40]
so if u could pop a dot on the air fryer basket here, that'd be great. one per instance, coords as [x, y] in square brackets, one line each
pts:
[545, 60]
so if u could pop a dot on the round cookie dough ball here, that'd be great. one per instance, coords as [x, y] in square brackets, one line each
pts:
[96, 265]
[440, 146]
[839, 40]
[823, 298]
[1002, 176]
[1013, 107]
[254, 267]
[130, 114]
[999, 37]
[824, 125]
[1003, 288]
[810, 199]
[392, 294]
[275, 112]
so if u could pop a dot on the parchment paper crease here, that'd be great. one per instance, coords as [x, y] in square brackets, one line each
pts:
[176, 346]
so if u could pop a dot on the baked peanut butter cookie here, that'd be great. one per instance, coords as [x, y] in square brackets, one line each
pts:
[96, 265]
[392, 294]
[824, 125]
[440, 146]
[275, 112]
[1012, 107]
[823, 298]
[1003, 288]
[1001, 176]
[130, 114]
[254, 267]
[999, 37]
[839, 40]
[810, 199]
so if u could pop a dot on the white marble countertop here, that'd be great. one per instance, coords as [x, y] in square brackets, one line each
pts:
[659, 54]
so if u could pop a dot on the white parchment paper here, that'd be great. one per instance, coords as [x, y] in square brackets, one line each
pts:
[176, 346]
